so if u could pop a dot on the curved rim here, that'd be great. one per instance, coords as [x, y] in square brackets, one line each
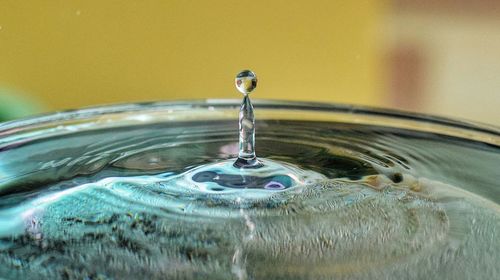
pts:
[79, 114]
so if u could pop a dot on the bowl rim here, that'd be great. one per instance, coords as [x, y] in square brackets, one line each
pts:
[86, 112]
[57, 123]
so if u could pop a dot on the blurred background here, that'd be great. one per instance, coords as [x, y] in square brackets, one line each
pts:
[440, 57]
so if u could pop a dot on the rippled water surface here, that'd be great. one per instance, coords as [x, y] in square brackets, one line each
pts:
[161, 202]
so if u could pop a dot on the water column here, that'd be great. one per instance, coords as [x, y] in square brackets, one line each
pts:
[246, 82]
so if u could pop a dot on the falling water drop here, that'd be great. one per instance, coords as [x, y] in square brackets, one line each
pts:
[246, 82]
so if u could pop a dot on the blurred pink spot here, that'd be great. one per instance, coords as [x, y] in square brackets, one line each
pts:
[229, 149]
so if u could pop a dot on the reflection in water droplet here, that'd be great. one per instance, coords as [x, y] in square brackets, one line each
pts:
[246, 81]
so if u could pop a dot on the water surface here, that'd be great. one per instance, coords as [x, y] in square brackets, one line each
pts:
[358, 202]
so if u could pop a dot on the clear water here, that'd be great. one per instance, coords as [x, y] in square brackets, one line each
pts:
[334, 201]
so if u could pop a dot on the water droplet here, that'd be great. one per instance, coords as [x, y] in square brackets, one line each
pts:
[246, 81]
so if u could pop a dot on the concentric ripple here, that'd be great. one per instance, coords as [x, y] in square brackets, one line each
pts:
[333, 201]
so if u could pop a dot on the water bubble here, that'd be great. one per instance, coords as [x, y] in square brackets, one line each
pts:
[246, 81]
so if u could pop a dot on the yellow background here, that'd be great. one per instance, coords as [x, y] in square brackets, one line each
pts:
[69, 54]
